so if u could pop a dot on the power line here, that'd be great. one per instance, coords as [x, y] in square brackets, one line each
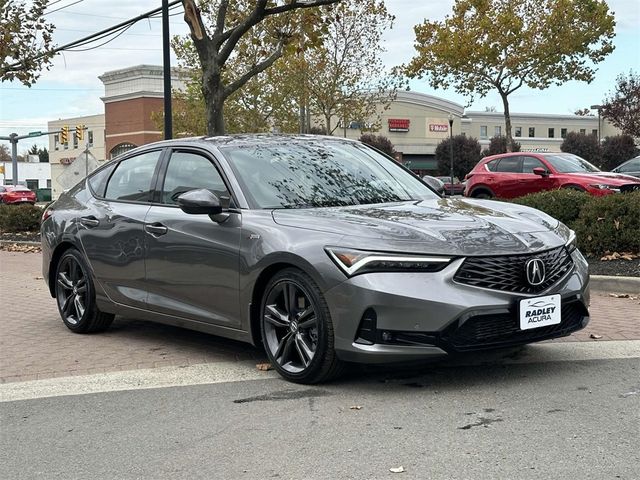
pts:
[63, 7]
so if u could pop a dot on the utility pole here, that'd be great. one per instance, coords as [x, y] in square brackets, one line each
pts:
[451, 153]
[166, 61]
[13, 139]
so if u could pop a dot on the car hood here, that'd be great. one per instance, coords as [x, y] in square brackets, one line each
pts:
[439, 226]
[609, 178]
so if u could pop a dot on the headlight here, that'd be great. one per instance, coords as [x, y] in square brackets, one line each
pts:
[601, 186]
[354, 262]
[572, 243]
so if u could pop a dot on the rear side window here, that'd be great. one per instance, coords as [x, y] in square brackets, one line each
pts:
[509, 165]
[131, 180]
[98, 181]
[491, 166]
[529, 163]
[190, 171]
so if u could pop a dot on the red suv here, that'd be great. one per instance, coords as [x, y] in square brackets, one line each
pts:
[511, 175]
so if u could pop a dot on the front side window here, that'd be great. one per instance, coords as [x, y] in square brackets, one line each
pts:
[98, 180]
[190, 171]
[321, 174]
[509, 165]
[529, 163]
[131, 180]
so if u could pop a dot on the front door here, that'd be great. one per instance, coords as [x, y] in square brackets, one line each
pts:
[111, 226]
[530, 182]
[192, 262]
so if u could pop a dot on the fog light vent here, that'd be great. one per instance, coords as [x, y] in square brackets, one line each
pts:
[367, 330]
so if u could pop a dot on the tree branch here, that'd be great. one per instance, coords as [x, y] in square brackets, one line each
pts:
[296, 4]
[222, 15]
[256, 69]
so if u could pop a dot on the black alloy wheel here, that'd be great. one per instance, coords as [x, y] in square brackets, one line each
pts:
[76, 297]
[296, 329]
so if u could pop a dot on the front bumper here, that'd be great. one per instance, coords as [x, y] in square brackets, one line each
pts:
[421, 315]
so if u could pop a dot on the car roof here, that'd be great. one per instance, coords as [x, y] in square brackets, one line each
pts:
[252, 139]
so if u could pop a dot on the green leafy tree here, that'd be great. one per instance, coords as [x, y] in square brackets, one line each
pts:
[43, 153]
[466, 154]
[217, 28]
[616, 150]
[583, 112]
[503, 45]
[585, 146]
[379, 142]
[622, 107]
[26, 40]
[498, 144]
[5, 153]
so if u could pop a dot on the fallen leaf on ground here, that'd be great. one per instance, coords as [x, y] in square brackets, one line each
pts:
[355, 407]
[264, 367]
[38, 278]
[619, 295]
[595, 336]
[399, 469]
[17, 247]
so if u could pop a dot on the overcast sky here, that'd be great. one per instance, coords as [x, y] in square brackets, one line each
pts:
[71, 87]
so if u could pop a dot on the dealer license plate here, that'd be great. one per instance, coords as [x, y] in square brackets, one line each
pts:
[24, 199]
[540, 312]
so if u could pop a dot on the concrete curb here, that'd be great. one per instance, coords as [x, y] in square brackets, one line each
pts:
[19, 242]
[607, 283]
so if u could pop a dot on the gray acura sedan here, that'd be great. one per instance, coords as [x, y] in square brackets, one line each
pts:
[321, 249]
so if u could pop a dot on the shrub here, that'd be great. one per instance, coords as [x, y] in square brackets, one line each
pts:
[585, 146]
[498, 145]
[616, 150]
[380, 142]
[564, 205]
[20, 218]
[466, 153]
[610, 223]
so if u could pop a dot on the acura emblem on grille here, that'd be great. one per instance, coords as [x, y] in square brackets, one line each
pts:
[534, 269]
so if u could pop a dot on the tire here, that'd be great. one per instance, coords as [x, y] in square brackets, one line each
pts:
[482, 194]
[76, 297]
[301, 349]
[574, 187]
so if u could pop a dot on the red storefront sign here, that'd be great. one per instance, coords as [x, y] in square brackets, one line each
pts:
[438, 127]
[399, 124]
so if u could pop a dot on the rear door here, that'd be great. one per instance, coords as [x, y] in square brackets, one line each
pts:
[192, 261]
[111, 227]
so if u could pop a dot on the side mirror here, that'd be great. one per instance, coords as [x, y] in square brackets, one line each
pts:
[200, 201]
[541, 171]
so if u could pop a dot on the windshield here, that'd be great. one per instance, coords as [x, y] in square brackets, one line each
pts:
[321, 174]
[569, 163]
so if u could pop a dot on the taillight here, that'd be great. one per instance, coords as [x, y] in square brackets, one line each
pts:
[46, 214]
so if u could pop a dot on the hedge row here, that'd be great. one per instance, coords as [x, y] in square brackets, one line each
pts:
[610, 223]
[20, 218]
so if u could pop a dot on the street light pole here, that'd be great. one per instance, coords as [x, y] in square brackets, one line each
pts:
[166, 61]
[451, 152]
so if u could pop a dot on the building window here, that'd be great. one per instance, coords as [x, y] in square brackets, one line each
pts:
[498, 131]
[532, 132]
[518, 131]
[90, 138]
[56, 142]
[583, 131]
[48, 183]
[594, 132]
[552, 132]
[120, 149]
[563, 133]
[32, 184]
[483, 131]
[75, 140]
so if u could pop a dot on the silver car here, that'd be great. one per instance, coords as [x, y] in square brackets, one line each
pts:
[318, 248]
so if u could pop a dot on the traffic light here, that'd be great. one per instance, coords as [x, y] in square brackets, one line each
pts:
[64, 134]
[79, 132]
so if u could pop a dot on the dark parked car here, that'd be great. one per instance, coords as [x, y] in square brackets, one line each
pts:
[457, 188]
[434, 183]
[630, 167]
[321, 249]
[18, 194]
[511, 175]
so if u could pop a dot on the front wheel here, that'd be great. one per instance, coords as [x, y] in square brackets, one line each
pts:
[75, 295]
[296, 329]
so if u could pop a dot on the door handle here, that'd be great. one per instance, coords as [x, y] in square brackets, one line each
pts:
[155, 229]
[89, 221]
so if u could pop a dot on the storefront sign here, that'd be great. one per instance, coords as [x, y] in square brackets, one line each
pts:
[438, 127]
[399, 124]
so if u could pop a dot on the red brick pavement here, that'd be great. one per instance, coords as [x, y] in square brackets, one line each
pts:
[35, 344]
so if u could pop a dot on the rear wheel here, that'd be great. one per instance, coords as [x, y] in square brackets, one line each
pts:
[296, 329]
[481, 194]
[75, 295]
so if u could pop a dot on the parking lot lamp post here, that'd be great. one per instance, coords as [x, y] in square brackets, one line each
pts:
[451, 152]
[597, 107]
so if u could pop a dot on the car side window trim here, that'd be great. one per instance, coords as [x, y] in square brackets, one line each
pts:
[164, 164]
[163, 152]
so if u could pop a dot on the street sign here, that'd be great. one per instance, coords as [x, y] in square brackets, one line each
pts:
[35, 134]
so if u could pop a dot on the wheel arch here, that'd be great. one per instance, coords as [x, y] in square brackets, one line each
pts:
[481, 188]
[55, 257]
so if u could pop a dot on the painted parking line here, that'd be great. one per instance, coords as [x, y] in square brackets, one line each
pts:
[220, 372]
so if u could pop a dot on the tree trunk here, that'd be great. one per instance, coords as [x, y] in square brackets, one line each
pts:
[327, 119]
[213, 92]
[507, 122]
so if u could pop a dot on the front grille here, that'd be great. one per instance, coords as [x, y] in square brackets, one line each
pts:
[507, 272]
[495, 330]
